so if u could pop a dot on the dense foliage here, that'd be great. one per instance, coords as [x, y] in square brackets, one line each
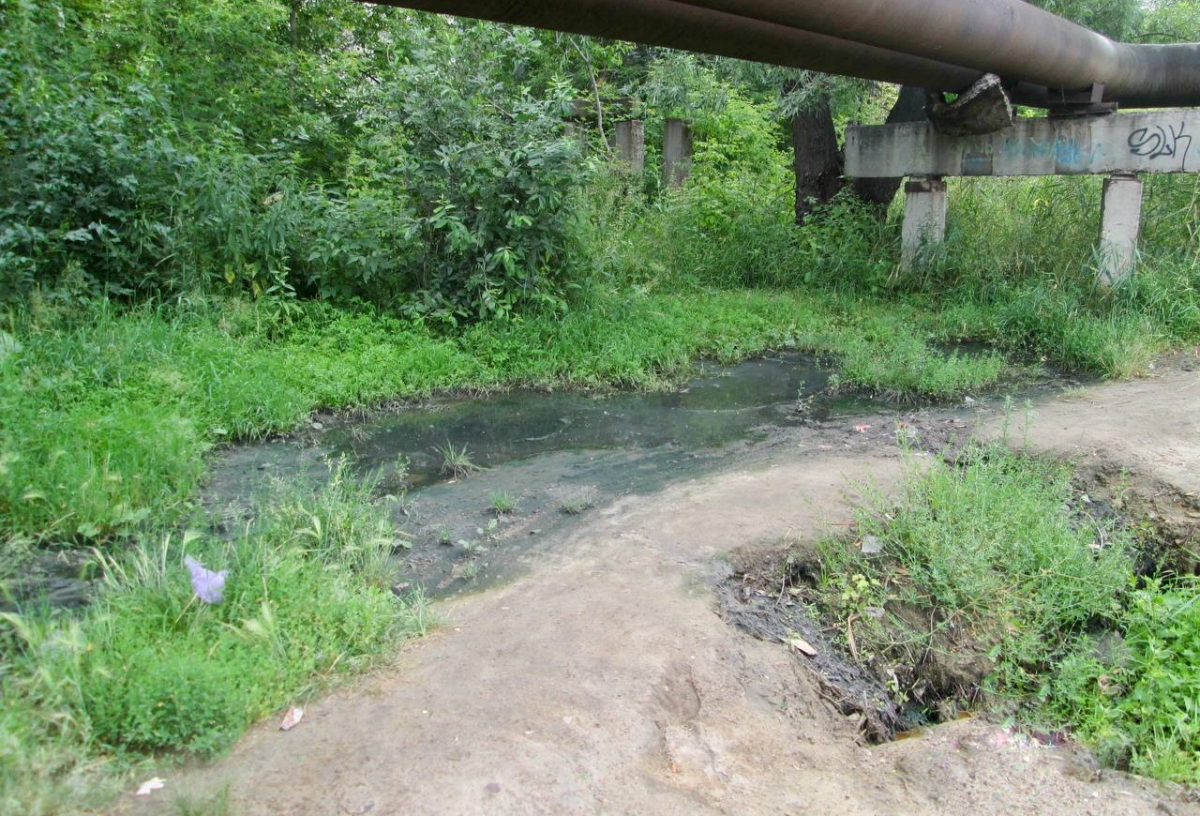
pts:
[349, 152]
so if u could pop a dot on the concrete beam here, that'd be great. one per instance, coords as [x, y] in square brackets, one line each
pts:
[924, 220]
[1159, 142]
[1120, 221]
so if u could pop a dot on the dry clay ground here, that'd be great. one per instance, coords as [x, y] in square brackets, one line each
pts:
[605, 682]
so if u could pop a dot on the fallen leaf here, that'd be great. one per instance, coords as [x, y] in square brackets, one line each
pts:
[802, 646]
[291, 719]
[149, 786]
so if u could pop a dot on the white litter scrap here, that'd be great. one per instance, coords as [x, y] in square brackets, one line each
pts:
[872, 545]
[150, 786]
[291, 719]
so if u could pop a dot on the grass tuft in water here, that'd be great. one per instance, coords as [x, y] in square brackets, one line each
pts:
[456, 462]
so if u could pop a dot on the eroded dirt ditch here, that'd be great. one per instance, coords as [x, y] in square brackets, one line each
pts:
[773, 593]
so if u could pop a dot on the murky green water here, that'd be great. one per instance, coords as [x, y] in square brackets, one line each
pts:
[553, 453]
[722, 405]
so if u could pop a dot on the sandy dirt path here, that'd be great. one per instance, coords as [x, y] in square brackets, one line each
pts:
[604, 681]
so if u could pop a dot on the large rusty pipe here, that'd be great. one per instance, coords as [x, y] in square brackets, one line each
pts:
[1006, 37]
[687, 27]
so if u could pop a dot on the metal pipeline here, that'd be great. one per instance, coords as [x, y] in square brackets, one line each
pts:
[687, 27]
[942, 45]
[1010, 38]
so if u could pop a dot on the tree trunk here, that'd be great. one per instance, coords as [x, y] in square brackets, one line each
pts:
[819, 163]
[817, 160]
[879, 192]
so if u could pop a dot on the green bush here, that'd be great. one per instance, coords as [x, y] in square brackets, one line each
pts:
[448, 191]
[992, 560]
[1135, 701]
[169, 702]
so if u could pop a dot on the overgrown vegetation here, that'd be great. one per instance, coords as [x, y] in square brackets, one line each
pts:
[1133, 699]
[108, 412]
[153, 667]
[981, 564]
[989, 583]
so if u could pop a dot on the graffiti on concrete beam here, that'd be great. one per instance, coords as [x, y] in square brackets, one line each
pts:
[1152, 142]
[1160, 142]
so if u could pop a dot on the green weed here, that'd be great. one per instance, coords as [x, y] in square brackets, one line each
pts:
[217, 804]
[456, 462]
[504, 504]
[1133, 698]
[150, 668]
[575, 505]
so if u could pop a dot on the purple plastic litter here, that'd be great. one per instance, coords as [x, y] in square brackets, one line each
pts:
[209, 585]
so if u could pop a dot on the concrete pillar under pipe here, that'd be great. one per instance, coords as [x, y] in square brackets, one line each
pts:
[924, 220]
[1120, 222]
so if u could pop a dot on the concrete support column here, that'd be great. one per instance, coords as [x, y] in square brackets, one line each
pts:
[677, 152]
[924, 219]
[1120, 221]
[575, 131]
[631, 144]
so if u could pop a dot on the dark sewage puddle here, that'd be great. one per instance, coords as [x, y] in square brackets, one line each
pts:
[555, 456]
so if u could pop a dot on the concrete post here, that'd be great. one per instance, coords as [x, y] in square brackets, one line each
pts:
[631, 144]
[677, 152]
[1120, 221]
[576, 133]
[924, 219]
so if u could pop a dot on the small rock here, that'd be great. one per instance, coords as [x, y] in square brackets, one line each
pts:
[317, 426]
[802, 646]
[492, 787]
[872, 545]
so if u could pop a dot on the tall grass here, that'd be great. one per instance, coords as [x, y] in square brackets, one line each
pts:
[149, 668]
[1018, 268]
